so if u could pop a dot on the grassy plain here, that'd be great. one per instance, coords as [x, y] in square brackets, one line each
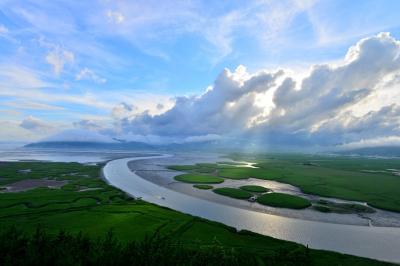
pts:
[352, 178]
[254, 188]
[94, 212]
[233, 192]
[201, 186]
[282, 200]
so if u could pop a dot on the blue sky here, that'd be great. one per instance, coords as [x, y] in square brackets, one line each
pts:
[68, 63]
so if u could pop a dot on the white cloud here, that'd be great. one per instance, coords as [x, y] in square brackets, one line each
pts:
[319, 109]
[32, 105]
[228, 105]
[89, 74]
[58, 57]
[115, 17]
[13, 77]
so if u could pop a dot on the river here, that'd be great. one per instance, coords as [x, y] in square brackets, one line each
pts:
[382, 243]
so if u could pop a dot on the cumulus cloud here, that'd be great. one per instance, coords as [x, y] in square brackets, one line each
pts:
[58, 57]
[89, 74]
[318, 109]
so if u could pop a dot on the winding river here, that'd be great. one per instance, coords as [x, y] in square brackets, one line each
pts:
[382, 243]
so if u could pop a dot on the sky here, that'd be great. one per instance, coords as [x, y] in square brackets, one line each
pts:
[303, 73]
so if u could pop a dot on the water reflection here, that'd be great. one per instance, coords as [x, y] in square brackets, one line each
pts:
[373, 242]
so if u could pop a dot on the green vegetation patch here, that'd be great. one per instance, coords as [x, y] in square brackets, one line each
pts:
[182, 167]
[328, 176]
[195, 178]
[200, 186]
[194, 241]
[233, 193]
[254, 188]
[282, 200]
[330, 206]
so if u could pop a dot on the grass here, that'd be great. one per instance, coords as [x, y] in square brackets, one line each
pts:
[200, 186]
[254, 188]
[330, 206]
[182, 167]
[328, 176]
[96, 212]
[197, 178]
[281, 200]
[233, 193]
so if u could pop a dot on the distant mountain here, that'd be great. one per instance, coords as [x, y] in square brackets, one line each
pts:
[85, 139]
[90, 145]
[386, 151]
[79, 135]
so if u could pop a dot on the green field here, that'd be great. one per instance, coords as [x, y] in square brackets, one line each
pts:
[233, 192]
[197, 178]
[200, 186]
[281, 200]
[254, 188]
[95, 212]
[350, 178]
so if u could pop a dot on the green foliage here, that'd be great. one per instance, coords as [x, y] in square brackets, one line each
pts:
[181, 239]
[233, 192]
[196, 178]
[199, 186]
[281, 200]
[41, 248]
[254, 188]
[182, 167]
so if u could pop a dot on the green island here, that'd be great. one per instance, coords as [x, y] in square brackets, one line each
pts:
[197, 178]
[323, 175]
[88, 222]
[255, 189]
[202, 186]
[282, 200]
[233, 192]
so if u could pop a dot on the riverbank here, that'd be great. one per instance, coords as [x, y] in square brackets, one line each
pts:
[156, 171]
[371, 242]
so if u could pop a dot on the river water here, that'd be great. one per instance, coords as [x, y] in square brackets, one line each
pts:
[382, 243]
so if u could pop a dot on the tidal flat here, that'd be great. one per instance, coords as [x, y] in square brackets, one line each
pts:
[158, 171]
